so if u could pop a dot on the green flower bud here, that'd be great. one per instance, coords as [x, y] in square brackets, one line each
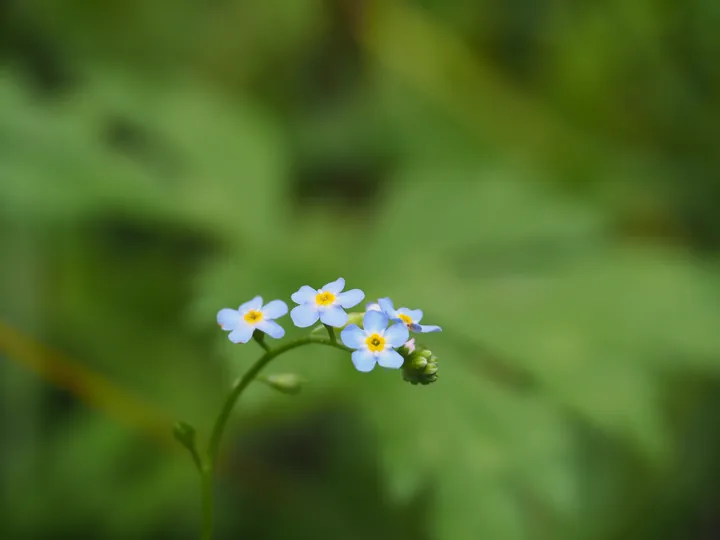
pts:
[287, 383]
[355, 317]
[420, 366]
[419, 362]
[430, 369]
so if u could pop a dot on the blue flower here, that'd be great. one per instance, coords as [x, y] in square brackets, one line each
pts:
[252, 315]
[325, 304]
[375, 343]
[409, 317]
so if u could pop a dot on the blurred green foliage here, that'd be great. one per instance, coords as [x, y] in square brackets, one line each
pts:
[541, 178]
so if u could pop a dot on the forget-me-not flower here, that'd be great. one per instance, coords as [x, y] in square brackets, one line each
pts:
[409, 317]
[252, 315]
[325, 304]
[375, 343]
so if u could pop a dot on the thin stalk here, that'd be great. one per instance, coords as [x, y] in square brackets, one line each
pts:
[208, 464]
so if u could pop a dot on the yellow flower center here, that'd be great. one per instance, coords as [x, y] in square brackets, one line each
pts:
[324, 298]
[376, 343]
[404, 318]
[253, 316]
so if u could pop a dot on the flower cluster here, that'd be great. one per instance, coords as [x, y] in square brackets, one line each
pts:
[379, 336]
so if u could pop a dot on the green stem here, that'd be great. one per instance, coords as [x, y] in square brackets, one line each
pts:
[331, 333]
[206, 478]
[211, 454]
[196, 459]
[260, 338]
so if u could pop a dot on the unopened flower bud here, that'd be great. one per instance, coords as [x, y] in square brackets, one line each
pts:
[355, 318]
[419, 363]
[420, 367]
[430, 369]
[287, 383]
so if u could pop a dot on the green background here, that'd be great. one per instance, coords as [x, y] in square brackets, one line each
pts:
[541, 178]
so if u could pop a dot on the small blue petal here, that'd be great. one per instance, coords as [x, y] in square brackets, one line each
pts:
[430, 328]
[271, 328]
[274, 309]
[353, 336]
[255, 303]
[363, 360]
[397, 335]
[334, 316]
[375, 321]
[415, 315]
[390, 359]
[304, 315]
[228, 318]
[415, 327]
[351, 298]
[387, 306]
[335, 286]
[373, 306]
[242, 333]
[304, 295]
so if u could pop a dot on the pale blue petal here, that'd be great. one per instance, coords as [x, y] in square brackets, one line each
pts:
[397, 335]
[353, 336]
[415, 315]
[390, 359]
[228, 318]
[351, 298]
[387, 306]
[415, 327]
[335, 287]
[271, 328]
[363, 360]
[375, 321]
[304, 315]
[373, 307]
[255, 303]
[274, 309]
[430, 328]
[242, 333]
[334, 316]
[304, 295]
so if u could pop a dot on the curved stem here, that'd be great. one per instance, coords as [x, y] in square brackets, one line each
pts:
[248, 377]
[208, 464]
